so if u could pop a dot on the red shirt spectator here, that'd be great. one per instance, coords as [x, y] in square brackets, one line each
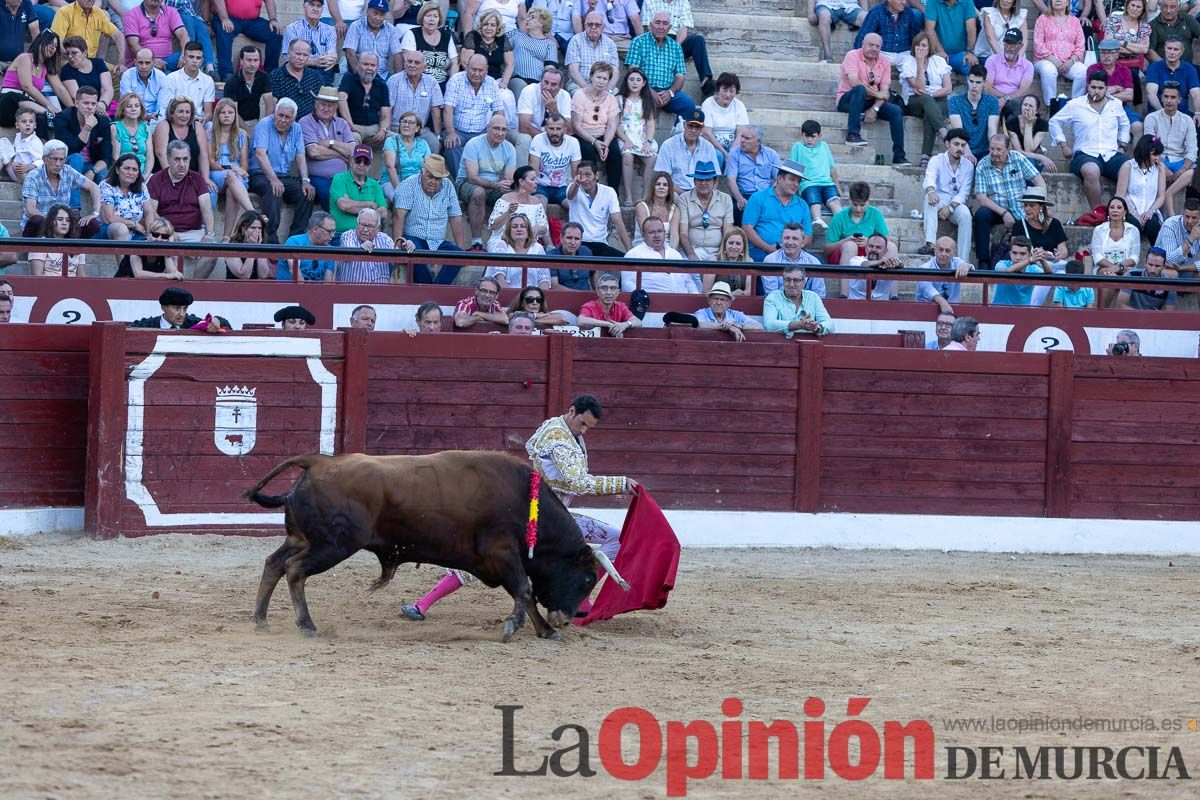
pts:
[595, 309]
[179, 202]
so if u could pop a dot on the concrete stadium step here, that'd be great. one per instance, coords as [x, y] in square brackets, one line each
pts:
[753, 34]
[766, 9]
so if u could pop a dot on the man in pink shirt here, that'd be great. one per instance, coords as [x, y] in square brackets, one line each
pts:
[964, 335]
[155, 27]
[863, 95]
[1009, 74]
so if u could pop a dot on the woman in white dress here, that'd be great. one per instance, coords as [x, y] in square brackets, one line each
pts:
[1116, 246]
[518, 240]
[1143, 182]
[521, 200]
[636, 130]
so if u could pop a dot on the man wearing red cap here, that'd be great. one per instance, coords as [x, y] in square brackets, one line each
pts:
[354, 190]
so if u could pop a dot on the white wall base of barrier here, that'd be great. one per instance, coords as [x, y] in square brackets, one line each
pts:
[24, 521]
[925, 532]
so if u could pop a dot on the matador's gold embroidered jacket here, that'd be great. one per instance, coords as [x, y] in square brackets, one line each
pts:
[562, 459]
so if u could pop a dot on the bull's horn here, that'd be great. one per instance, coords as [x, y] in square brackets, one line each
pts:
[608, 567]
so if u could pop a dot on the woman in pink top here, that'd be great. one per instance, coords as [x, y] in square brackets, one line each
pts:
[594, 115]
[25, 80]
[1058, 50]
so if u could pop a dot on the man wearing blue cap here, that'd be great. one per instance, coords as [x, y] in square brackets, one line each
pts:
[369, 34]
[680, 154]
[708, 214]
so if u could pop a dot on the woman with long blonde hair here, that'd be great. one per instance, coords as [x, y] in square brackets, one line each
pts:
[131, 134]
[735, 248]
[229, 161]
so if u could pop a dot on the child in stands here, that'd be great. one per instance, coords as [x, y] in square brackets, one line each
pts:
[24, 153]
[820, 182]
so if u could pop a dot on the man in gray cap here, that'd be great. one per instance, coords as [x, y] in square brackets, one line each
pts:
[769, 209]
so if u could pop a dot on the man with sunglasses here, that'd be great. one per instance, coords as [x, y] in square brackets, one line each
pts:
[155, 27]
[975, 112]
[708, 214]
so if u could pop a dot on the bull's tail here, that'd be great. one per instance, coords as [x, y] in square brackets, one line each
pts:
[255, 495]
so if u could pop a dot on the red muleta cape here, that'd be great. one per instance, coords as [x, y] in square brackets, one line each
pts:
[647, 560]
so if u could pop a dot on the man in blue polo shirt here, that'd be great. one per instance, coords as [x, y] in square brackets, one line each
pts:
[321, 230]
[17, 21]
[768, 210]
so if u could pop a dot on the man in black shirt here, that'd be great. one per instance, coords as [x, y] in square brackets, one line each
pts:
[87, 133]
[295, 79]
[247, 86]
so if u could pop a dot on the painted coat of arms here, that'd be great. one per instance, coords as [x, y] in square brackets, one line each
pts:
[236, 420]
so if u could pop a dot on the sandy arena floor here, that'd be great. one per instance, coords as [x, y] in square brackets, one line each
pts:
[128, 669]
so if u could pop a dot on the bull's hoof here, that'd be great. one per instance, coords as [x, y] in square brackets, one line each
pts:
[412, 612]
[553, 636]
[308, 633]
[510, 627]
[261, 626]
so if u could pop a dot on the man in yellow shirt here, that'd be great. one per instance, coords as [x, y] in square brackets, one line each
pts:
[82, 18]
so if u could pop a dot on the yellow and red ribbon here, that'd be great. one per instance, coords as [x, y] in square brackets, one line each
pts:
[531, 528]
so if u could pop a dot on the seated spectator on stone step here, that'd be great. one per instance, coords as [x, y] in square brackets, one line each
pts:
[949, 179]
[1120, 83]
[364, 317]
[769, 210]
[472, 98]
[606, 311]
[975, 112]
[1077, 296]
[403, 153]
[229, 161]
[23, 153]
[792, 243]
[750, 166]
[733, 251]
[1142, 181]
[850, 228]
[679, 154]
[248, 86]
[1058, 50]
[1022, 257]
[793, 309]
[278, 146]
[532, 301]
[130, 133]
[295, 318]
[16, 26]
[435, 42]
[189, 81]
[595, 118]
[158, 28]
[943, 293]
[941, 331]
[372, 33]
[538, 103]
[721, 316]
[683, 30]
[79, 70]
[924, 87]
[824, 15]
[1099, 130]
[897, 23]
[1180, 240]
[554, 156]
[660, 201]
[533, 50]
[1027, 133]
[427, 213]
[1178, 140]
[320, 232]
[25, 82]
[60, 222]
[367, 236]
[623, 19]
[964, 334]
[571, 245]
[81, 18]
[363, 102]
[863, 95]
[413, 91]
[1128, 24]
[249, 230]
[481, 306]
[87, 133]
[588, 47]
[328, 145]
[489, 39]
[566, 20]
[146, 81]
[321, 38]
[1000, 182]
[1009, 74]
[1146, 299]
[123, 199]
[485, 173]
[1116, 245]
[877, 257]
[660, 58]
[294, 80]
[1174, 69]
[596, 208]
[54, 183]
[181, 196]
[819, 178]
[518, 239]
[954, 27]
[654, 245]
[232, 17]
[1170, 22]
[707, 214]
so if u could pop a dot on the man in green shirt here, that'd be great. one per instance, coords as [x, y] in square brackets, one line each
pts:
[1171, 22]
[354, 190]
[794, 309]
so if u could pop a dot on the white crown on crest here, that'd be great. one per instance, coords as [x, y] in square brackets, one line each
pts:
[236, 393]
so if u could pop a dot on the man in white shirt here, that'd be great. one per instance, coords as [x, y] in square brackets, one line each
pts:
[1100, 130]
[555, 156]
[191, 82]
[654, 245]
[876, 258]
[948, 182]
[595, 207]
[536, 102]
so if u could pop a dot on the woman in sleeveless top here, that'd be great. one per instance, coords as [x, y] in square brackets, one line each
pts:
[436, 44]
[249, 230]
[490, 42]
[1143, 182]
[161, 230]
[25, 80]
[521, 200]
[229, 161]
[660, 201]
[131, 134]
[123, 199]
[181, 123]
[83, 71]
[511, 13]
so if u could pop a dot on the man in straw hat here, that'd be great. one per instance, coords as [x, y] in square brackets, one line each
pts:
[720, 316]
[328, 142]
[428, 214]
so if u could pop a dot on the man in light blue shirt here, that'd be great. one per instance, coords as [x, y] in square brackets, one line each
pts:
[793, 308]
[277, 145]
[1022, 257]
[943, 293]
[321, 230]
[769, 210]
[146, 81]
[679, 155]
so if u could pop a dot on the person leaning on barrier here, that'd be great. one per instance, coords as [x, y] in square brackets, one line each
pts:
[793, 308]
[367, 236]
[295, 318]
[174, 303]
[481, 306]
[364, 318]
[606, 311]
[964, 334]
[877, 257]
[719, 315]
[532, 301]
[941, 292]
[278, 145]
[428, 214]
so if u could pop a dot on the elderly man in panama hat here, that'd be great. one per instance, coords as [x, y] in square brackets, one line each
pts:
[328, 142]
[428, 214]
[721, 317]
[708, 214]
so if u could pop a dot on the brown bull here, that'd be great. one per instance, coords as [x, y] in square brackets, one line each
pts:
[458, 509]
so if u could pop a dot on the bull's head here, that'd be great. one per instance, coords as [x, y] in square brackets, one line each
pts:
[560, 583]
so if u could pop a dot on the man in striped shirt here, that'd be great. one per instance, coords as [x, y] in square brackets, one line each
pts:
[366, 236]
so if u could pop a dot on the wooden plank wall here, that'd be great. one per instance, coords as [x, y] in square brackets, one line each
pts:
[933, 433]
[1135, 442]
[43, 415]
